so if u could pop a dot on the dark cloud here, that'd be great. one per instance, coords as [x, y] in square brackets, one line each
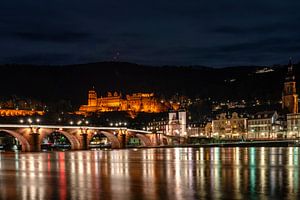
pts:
[266, 45]
[41, 58]
[60, 37]
[214, 33]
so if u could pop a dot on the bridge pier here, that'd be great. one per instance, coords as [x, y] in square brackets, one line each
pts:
[84, 141]
[123, 140]
[35, 145]
[157, 139]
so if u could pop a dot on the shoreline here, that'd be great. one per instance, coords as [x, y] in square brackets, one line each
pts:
[287, 143]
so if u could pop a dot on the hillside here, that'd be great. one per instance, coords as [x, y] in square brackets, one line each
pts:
[71, 82]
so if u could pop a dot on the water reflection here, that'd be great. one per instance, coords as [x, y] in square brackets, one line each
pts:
[175, 173]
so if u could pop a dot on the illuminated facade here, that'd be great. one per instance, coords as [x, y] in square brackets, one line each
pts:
[265, 125]
[229, 126]
[137, 102]
[14, 112]
[293, 125]
[177, 124]
[201, 130]
[289, 94]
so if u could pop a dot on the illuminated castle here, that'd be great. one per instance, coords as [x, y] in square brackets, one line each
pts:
[137, 102]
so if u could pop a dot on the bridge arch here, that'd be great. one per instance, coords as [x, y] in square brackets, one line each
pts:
[165, 140]
[75, 144]
[145, 140]
[115, 143]
[24, 142]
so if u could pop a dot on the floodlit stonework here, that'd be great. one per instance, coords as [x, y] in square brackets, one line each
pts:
[15, 112]
[137, 102]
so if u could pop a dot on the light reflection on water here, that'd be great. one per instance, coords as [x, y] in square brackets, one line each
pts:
[166, 173]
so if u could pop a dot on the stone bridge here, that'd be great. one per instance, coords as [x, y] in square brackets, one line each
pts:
[31, 136]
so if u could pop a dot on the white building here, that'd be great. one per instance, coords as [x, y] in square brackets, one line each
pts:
[293, 125]
[177, 123]
[268, 125]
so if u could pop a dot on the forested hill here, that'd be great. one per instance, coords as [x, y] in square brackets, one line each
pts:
[71, 82]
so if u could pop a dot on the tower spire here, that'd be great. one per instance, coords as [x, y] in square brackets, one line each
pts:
[289, 94]
[290, 74]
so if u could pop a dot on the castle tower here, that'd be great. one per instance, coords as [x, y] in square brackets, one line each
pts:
[289, 94]
[92, 98]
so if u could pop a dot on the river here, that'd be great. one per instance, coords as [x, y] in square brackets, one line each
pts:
[158, 173]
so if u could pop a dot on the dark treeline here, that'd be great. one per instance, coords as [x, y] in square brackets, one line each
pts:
[71, 83]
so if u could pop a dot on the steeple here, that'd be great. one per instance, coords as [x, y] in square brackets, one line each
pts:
[290, 74]
[289, 93]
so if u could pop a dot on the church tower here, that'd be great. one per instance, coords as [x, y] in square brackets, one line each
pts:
[92, 98]
[289, 94]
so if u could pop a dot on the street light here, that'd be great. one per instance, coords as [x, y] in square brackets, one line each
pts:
[296, 128]
[273, 131]
[252, 131]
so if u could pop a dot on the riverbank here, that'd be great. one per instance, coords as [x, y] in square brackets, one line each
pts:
[281, 143]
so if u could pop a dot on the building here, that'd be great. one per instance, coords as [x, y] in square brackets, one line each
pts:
[137, 102]
[17, 112]
[155, 126]
[289, 94]
[229, 126]
[290, 104]
[293, 125]
[177, 123]
[195, 130]
[267, 124]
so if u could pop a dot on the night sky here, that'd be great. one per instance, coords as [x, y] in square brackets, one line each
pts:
[155, 32]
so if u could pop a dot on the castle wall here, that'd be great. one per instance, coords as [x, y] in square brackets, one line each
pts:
[137, 102]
